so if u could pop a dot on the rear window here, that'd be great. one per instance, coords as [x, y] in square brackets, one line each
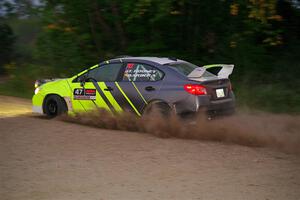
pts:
[187, 68]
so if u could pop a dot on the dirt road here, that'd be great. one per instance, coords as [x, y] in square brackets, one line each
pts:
[51, 159]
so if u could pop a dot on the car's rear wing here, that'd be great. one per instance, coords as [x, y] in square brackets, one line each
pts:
[221, 71]
[224, 72]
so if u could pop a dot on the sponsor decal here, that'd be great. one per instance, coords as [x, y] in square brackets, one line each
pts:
[140, 73]
[130, 65]
[84, 94]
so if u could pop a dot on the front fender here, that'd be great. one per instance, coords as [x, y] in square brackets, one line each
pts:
[60, 88]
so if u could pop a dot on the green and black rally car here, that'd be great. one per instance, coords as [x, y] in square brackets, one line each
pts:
[137, 84]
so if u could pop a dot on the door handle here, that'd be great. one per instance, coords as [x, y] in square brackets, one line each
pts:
[149, 88]
[109, 89]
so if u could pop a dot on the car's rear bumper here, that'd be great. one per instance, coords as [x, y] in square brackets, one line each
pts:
[221, 107]
[203, 104]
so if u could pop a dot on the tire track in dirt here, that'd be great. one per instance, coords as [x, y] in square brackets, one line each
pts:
[258, 129]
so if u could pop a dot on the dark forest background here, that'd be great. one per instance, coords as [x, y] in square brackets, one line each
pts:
[58, 38]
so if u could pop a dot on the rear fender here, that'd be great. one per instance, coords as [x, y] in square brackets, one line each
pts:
[156, 101]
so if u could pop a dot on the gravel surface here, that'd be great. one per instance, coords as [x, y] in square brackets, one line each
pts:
[51, 159]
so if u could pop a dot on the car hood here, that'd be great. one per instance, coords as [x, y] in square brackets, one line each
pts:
[41, 82]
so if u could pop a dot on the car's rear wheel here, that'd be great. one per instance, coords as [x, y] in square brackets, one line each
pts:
[54, 105]
[158, 108]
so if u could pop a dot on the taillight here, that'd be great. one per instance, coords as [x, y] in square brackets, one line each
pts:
[195, 89]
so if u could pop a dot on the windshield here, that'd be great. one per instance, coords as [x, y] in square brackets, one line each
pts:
[187, 68]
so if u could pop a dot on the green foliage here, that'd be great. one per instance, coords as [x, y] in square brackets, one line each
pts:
[26, 31]
[22, 78]
[7, 39]
[268, 97]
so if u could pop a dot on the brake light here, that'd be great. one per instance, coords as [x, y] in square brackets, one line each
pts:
[195, 89]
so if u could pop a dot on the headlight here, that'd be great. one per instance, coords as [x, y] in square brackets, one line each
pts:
[37, 83]
[36, 90]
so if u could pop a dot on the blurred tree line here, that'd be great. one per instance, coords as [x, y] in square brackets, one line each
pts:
[6, 45]
[61, 37]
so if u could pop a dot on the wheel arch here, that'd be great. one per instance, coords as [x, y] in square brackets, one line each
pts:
[53, 94]
[157, 101]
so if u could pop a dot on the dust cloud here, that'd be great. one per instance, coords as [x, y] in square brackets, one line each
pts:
[255, 129]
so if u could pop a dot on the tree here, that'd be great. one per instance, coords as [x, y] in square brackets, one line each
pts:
[6, 45]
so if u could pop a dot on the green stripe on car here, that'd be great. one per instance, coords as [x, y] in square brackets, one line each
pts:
[126, 97]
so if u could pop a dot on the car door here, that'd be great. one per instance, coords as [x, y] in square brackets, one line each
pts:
[138, 85]
[91, 90]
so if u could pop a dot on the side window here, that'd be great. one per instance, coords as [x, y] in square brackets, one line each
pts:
[103, 73]
[141, 72]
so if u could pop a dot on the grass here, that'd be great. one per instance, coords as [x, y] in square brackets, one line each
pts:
[16, 89]
[274, 98]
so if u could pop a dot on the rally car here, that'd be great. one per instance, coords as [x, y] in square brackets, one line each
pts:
[138, 84]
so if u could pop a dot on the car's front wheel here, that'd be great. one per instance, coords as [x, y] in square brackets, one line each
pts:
[54, 105]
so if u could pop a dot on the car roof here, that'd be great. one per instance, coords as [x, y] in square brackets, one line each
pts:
[159, 60]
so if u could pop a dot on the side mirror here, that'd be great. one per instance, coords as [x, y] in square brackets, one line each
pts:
[82, 83]
[82, 80]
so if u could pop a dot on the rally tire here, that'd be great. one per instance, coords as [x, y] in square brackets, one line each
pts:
[162, 108]
[54, 105]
